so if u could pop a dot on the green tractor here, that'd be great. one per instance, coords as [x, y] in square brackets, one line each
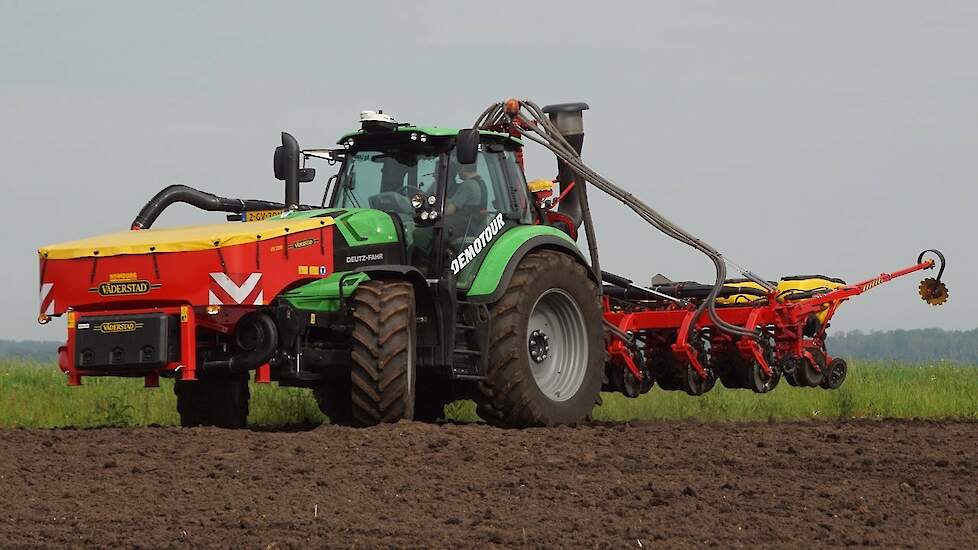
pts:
[451, 287]
[428, 274]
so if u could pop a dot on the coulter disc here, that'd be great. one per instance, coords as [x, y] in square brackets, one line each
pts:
[933, 291]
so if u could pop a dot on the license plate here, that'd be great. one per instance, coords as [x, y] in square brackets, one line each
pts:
[258, 215]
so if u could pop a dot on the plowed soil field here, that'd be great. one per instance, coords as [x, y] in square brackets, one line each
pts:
[665, 484]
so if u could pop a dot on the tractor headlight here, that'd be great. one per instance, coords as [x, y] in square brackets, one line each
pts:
[417, 201]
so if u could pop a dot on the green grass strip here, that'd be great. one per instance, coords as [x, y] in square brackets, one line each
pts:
[36, 396]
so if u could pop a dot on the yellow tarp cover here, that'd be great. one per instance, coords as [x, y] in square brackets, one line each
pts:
[179, 239]
[788, 289]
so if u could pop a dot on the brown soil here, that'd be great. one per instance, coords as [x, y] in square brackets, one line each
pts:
[673, 484]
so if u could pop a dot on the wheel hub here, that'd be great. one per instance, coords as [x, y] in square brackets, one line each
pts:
[539, 346]
[556, 334]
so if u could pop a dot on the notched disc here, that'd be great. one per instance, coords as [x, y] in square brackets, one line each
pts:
[933, 292]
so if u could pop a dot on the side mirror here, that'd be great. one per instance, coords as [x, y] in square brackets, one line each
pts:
[286, 164]
[306, 175]
[467, 146]
[281, 162]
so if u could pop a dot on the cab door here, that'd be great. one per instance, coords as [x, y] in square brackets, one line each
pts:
[481, 201]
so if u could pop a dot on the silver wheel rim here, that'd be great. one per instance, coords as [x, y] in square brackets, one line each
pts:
[556, 320]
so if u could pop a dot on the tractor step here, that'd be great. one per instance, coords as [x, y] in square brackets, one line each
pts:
[472, 377]
[469, 358]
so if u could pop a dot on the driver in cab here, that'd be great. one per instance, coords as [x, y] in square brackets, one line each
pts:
[468, 193]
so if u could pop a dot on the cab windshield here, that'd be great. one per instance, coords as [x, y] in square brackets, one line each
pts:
[491, 190]
[386, 180]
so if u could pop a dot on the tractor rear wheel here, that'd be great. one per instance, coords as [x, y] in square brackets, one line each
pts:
[383, 367]
[213, 400]
[546, 346]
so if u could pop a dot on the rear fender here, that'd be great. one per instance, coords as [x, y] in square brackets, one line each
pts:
[501, 260]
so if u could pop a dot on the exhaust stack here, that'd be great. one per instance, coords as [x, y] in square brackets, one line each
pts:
[569, 119]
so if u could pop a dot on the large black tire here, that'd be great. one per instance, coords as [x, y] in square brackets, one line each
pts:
[383, 366]
[213, 400]
[511, 395]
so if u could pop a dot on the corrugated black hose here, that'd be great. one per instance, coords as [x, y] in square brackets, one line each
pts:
[195, 197]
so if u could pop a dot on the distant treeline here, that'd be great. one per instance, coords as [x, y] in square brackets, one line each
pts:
[29, 349]
[912, 346]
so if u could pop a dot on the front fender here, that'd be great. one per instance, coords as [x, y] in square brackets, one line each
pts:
[327, 294]
[324, 294]
[505, 254]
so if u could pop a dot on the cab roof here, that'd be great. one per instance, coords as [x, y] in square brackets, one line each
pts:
[432, 131]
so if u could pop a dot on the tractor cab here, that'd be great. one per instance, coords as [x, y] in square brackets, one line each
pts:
[448, 190]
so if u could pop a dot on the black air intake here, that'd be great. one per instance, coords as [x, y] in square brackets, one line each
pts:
[569, 119]
[287, 168]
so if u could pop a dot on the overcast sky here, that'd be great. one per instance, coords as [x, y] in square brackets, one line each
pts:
[830, 137]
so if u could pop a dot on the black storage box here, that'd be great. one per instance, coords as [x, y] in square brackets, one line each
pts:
[144, 340]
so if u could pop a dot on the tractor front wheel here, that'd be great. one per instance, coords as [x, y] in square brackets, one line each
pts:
[546, 346]
[383, 366]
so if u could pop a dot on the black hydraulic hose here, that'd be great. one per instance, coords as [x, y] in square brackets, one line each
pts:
[647, 213]
[195, 197]
[940, 271]
[261, 334]
[551, 138]
[592, 239]
[616, 280]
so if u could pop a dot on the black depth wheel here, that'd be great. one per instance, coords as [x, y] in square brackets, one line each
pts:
[546, 346]
[213, 400]
[695, 384]
[835, 374]
[806, 373]
[759, 381]
[621, 379]
[733, 371]
[731, 379]
[383, 368]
